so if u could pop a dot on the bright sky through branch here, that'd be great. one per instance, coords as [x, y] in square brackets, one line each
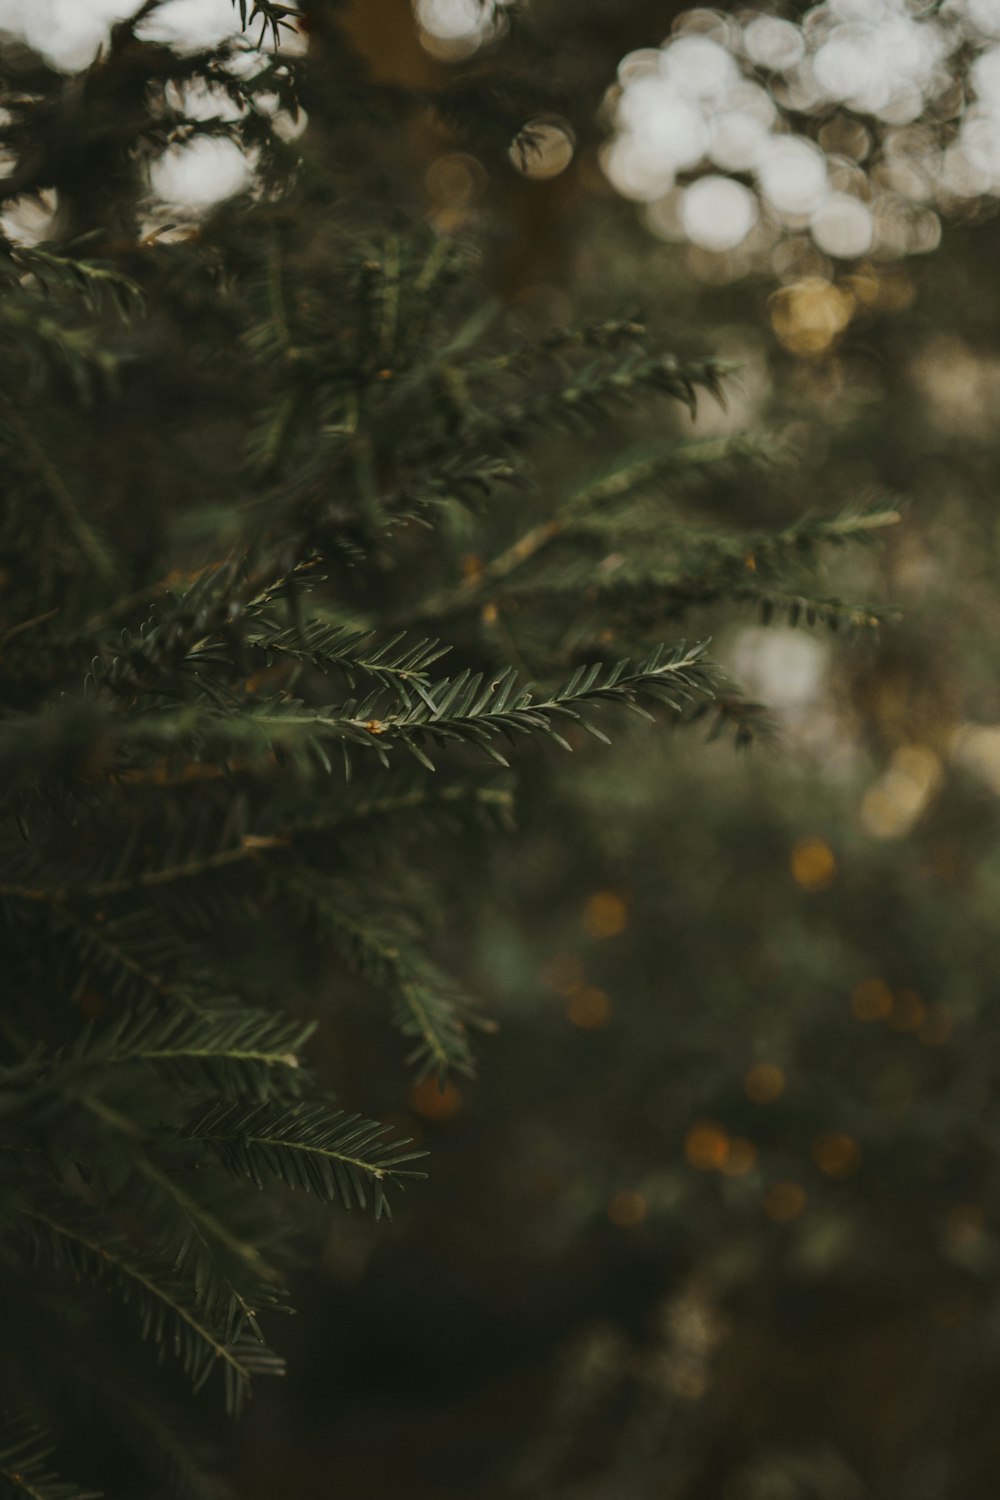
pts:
[70, 31]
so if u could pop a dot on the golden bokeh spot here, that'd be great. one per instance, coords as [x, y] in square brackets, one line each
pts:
[784, 1201]
[562, 972]
[450, 219]
[864, 286]
[764, 1083]
[937, 1027]
[455, 180]
[428, 1100]
[809, 315]
[589, 1008]
[472, 567]
[871, 1000]
[750, 563]
[880, 813]
[542, 148]
[908, 1011]
[627, 1208]
[813, 864]
[605, 915]
[741, 1157]
[891, 807]
[964, 1226]
[706, 1146]
[836, 1154]
[490, 614]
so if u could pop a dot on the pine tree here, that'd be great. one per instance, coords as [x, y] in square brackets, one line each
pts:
[305, 552]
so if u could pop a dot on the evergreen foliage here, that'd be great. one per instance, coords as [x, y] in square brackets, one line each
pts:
[300, 544]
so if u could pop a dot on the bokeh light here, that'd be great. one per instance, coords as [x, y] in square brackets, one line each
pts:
[814, 864]
[70, 32]
[192, 173]
[605, 915]
[543, 148]
[193, 23]
[588, 1008]
[718, 212]
[200, 173]
[627, 1209]
[860, 126]
[430, 1101]
[741, 1157]
[901, 795]
[764, 1083]
[67, 32]
[453, 29]
[809, 315]
[836, 1154]
[706, 1146]
[871, 1000]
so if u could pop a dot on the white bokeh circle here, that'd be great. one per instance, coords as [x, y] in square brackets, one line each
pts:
[842, 227]
[201, 173]
[718, 213]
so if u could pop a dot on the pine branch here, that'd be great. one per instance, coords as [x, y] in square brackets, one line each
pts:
[705, 458]
[607, 334]
[170, 1312]
[158, 1435]
[747, 721]
[763, 552]
[199, 1228]
[24, 1471]
[467, 709]
[20, 441]
[231, 1276]
[328, 645]
[231, 1280]
[596, 391]
[132, 955]
[337, 1157]
[201, 626]
[696, 570]
[405, 795]
[830, 610]
[69, 1373]
[272, 17]
[597, 507]
[232, 1051]
[427, 1007]
[30, 885]
[94, 284]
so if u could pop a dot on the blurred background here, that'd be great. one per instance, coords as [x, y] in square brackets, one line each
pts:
[720, 1217]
